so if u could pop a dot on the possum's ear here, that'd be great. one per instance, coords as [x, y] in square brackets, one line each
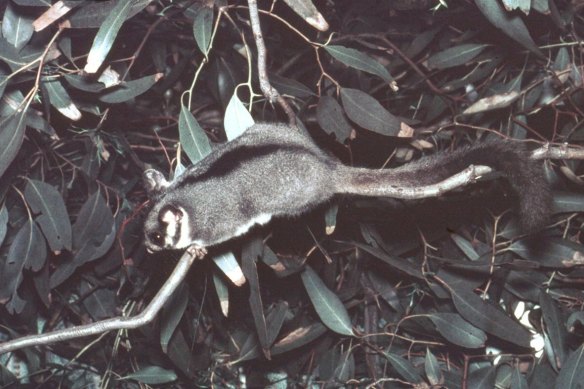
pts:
[154, 182]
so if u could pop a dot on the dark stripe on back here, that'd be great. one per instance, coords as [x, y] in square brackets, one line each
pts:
[236, 157]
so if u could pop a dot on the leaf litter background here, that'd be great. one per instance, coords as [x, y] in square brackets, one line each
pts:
[442, 292]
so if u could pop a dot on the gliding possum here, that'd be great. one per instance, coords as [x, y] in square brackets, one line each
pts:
[273, 170]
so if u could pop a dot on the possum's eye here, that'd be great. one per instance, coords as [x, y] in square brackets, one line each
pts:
[156, 238]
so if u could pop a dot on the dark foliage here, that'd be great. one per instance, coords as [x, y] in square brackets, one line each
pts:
[436, 293]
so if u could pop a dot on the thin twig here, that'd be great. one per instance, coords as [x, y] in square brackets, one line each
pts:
[116, 323]
[267, 89]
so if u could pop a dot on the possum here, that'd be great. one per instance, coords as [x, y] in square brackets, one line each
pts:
[274, 171]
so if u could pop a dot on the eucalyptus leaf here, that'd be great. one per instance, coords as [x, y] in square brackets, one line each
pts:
[298, 337]
[59, 98]
[368, 113]
[404, 368]
[358, 60]
[512, 25]
[289, 86]
[12, 130]
[307, 11]
[522, 5]
[83, 83]
[94, 14]
[572, 374]
[457, 330]
[275, 319]
[128, 90]
[483, 378]
[331, 118]
[222, 291]
[455, 56]
[106, 35]
[203, 28]
[193, 139]
[16, 28]
[48, 204]
[328, 306]
[152, 375]
[3, 223]
[172, 313]
[249, 267]
[237, 118]
[94, 233]
[432, 369]
[27, 251]
[554, 327]
[485, 316]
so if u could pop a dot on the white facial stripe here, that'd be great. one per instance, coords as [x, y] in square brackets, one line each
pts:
[261, 219]
[184, 240]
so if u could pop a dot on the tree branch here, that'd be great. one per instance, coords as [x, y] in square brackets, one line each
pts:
[267, 89]
[116, 323]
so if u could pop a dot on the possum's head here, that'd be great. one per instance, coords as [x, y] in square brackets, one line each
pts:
[167, 227]
[167, 224]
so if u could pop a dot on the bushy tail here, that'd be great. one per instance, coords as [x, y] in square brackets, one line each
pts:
[525, 175]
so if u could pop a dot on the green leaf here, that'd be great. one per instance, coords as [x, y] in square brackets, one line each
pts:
[222, 291]
[193, 139]
[522, 5]
[59, 98]
[511, 24]
[455, 56]
[432, 369]
[130, 89]
[237, 118]
[83, 83]
[3, 223]
[10, 55]
[568, 202]
[28, 250]
[554, 327]
[404, 368]
[555, 253]
[106, 35]
[172, 313]
[45, 200]
[275, 320]
[298, 337]
[289, 86]
[327, 304]
[358, 60]
[457, 330]
[249, 266]
[484, 315]
[11, 137]
[307, 11]
[493, 102]
[518, 380]
[203, 28]
[93, 235]
[16, 28]
[368, 113]
[572, 374]
[331, 118]
[483, 378]
[93, 14]
[152, 375]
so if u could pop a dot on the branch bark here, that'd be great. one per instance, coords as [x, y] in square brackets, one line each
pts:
[115, 323]
[267, 89]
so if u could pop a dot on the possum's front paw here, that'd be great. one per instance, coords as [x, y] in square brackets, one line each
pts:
[197, 251]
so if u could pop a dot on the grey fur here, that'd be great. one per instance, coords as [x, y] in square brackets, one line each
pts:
[273, 170]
